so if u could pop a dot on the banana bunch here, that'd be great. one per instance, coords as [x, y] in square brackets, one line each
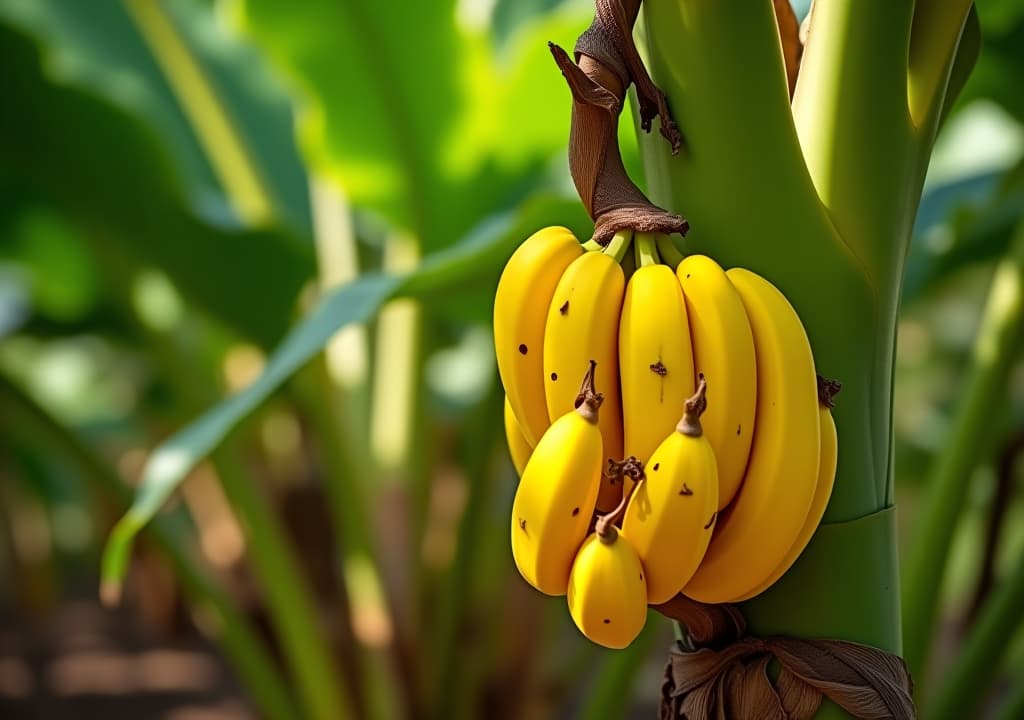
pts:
[697, 455]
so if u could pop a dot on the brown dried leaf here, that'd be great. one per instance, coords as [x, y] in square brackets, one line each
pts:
[707, 684]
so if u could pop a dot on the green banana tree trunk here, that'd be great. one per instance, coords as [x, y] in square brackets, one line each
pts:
[819, 197]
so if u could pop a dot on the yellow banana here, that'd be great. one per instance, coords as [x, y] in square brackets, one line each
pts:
[556, 495]
[583, 326]
[607, 590]
[655, 358]
[671, 515]
[527, 283]
[518, 448]
[756, 532]
[723, 350]
[822, 491]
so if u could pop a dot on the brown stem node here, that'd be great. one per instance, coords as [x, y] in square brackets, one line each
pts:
[631, 467]
[695, 406]
[827, 391]
[588, 399]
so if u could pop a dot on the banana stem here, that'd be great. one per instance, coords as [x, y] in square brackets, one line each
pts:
[646, 251]
[591, 245]
[670, 254]
[605, 526]
[937, 30]
[619, 244]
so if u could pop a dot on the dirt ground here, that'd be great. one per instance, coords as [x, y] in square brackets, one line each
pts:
[85, 662]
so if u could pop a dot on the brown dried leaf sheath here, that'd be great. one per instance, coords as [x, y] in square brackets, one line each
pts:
[724, 677]
[733, 683]
[607, 63]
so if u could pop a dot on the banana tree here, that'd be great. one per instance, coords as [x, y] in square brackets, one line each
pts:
[817, 190]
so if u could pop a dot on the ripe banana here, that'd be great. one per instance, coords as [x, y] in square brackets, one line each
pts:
[723, 350]
[671, 515]
[607, 590]
[822, 492]
[756, 532]
[557, 493]
[528, 282]
[582, 326]
[655, 359]
[518, 448]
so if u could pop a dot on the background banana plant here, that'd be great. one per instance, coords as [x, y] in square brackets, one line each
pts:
[199, 196]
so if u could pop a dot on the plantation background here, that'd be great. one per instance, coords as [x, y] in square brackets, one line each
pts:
[182, 180]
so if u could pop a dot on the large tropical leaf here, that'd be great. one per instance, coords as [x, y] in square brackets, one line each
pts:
[113, 178]
[97, 47]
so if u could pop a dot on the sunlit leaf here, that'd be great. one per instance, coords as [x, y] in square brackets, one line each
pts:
[414, 112]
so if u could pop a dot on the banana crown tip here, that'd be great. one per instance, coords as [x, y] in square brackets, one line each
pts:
[588, 400]
[693, 409]
[827, 391]
[606, 531]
